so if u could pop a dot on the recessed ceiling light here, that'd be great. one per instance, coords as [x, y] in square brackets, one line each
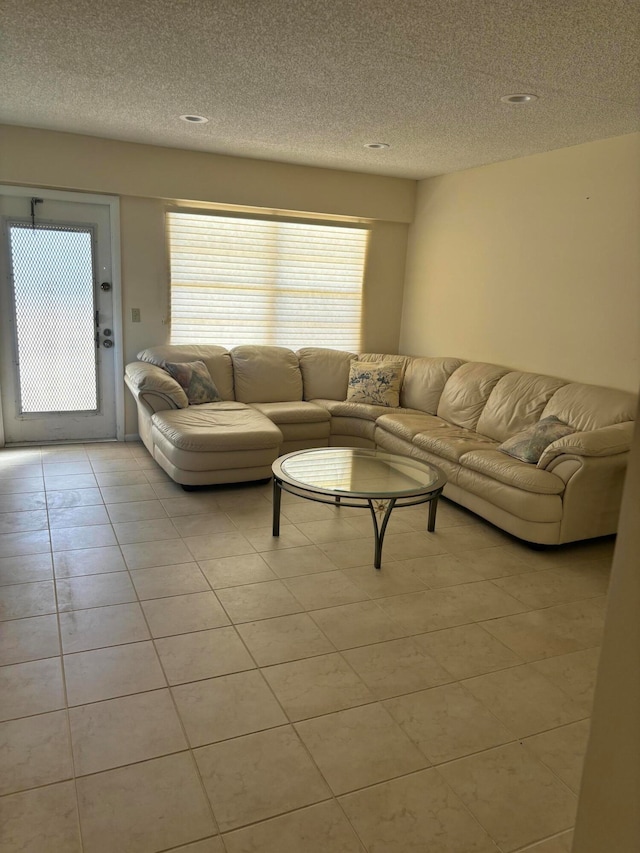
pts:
[377, 146]
[524, 98]
[194, 119]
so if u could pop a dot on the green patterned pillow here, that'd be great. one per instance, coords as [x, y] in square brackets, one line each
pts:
[195, 379]
[529, 445]
[375, 383]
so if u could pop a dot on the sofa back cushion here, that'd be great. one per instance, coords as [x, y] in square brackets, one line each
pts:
[265, 374]
[467, 391]
[217, 360]
[586, 407]
[424, 380]
[516, 402]
[325, 372]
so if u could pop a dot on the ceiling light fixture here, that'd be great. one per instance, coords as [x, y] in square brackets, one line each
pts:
[523, 98]
[377, 146]
[191, 119]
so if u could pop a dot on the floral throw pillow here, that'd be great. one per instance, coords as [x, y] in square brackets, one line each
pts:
[375, 383]
[195, 380]
[529, 445]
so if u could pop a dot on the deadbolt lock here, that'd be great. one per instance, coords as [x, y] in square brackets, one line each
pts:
[106, 333]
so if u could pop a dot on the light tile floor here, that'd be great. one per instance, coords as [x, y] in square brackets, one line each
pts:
[173, 678]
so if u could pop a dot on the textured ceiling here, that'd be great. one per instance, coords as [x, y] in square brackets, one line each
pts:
[311, 81]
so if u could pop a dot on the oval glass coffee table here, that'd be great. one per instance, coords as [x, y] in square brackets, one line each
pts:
[355, 477]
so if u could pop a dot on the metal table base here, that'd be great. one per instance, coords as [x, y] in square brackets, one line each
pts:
[379, 527]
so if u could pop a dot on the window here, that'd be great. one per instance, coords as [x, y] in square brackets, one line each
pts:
[265, 281]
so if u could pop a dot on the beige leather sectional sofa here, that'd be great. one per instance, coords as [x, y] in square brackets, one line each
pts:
[452, 413]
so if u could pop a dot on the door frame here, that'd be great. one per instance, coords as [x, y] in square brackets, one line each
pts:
[113, 203]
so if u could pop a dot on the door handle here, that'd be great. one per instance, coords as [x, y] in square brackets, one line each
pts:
[107, 344]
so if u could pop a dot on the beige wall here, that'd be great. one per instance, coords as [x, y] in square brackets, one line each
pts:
[533, 263]
[65, 160]
[146, 177]
[608, 812]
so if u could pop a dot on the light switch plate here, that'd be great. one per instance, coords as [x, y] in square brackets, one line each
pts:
[135, 315]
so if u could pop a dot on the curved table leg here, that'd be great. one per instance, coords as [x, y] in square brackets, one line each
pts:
[277, 497]
[433, 506]
[379, 531]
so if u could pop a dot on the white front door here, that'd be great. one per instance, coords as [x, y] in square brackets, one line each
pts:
[57, 348]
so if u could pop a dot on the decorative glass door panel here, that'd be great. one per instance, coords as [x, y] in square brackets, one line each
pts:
[53, 298]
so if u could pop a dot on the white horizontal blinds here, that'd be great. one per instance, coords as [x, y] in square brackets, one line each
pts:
[237, 280]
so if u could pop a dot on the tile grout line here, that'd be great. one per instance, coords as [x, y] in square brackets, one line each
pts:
[65, 693]
[292, 724]
[289, 727]
[334, 797]
[194, 763]
[531, 846]
[68, 713]
[305, 611]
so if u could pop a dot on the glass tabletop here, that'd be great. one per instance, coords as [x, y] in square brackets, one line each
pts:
[358, 472]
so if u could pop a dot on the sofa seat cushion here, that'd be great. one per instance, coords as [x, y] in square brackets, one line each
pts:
[296, 412]
[395, 444]
[366, 411]
[452, 443]
[298, 421]
[495, 464]
[408, 424]
[217, 427]
[345, 429]
[528, 506]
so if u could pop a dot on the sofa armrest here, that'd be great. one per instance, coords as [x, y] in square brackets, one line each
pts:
[153, 386]
[606, 441]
